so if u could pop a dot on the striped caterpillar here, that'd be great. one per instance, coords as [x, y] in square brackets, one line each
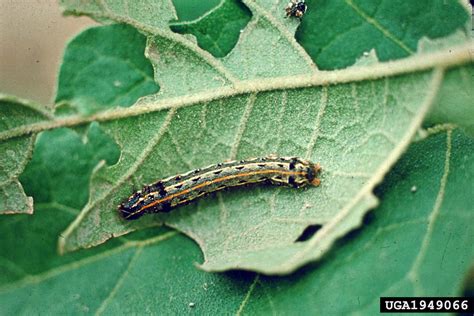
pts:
[166, 194]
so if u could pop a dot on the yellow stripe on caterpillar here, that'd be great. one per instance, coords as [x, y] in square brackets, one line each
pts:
[166, 194]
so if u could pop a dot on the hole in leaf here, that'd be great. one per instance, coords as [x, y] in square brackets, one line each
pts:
[308, 232]
[218, 30]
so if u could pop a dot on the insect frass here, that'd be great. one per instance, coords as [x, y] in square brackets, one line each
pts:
[169, 193]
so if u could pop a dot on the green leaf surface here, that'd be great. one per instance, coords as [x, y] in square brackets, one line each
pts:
[57, 178]
[14, 154]
[155, 13]
[356, 129]
[412, 244]
[174, 56]
[335, 33]
[455, 101]
[188, 10]
[245, 229]
[454, 104]
[355, 122]
[62, 176]
[232, 15]
[101, 71]
[418, 242]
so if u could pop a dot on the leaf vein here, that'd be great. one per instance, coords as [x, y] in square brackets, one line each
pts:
[143, 156]
[242, 125]
[315, 135]
[284, 31]
[119, 282]
[247, 295]
[53, 272]
[432, 219]
[379, 27]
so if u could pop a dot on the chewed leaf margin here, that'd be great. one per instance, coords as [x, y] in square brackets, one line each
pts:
[173, 113]
[165, 127]
[16, 153]
[182, 99]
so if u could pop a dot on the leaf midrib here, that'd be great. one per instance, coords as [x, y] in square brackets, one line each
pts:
[444, 59]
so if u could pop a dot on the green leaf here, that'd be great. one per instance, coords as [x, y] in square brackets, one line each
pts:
[412, 244]
[469, 283]
[174, 56]
[101, 71]
[454, 103]
[219, 40]
[57, 178]
[355, 122]
[416, 243]
[188, 10]
[15, 153]
[335, 33]
[61, 177]
[155, 13]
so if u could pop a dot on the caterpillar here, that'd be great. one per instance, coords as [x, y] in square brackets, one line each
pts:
[167, 194]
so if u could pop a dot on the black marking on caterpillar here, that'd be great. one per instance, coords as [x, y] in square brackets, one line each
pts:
[166, 194]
